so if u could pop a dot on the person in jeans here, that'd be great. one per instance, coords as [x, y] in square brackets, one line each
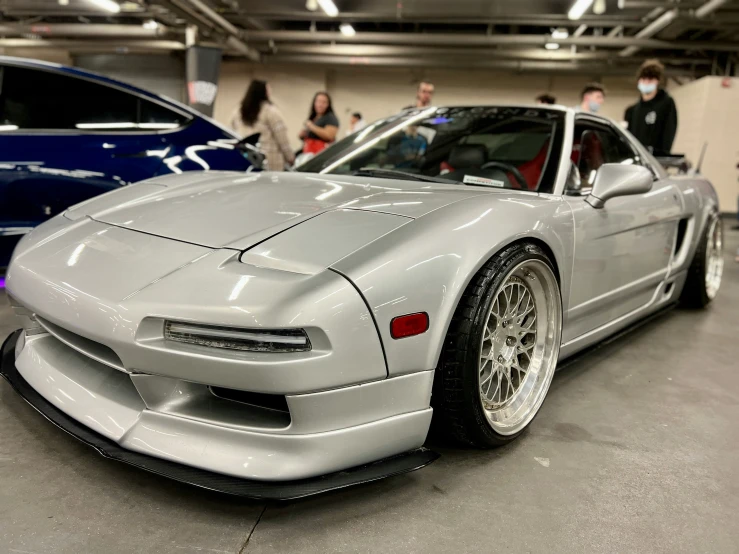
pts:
[257, 114]
[322, 125]
[653, 120]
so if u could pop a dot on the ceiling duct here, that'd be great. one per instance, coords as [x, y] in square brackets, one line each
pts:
[668, 17]
[234, 39]
[465, 40]
[650, 30]
[708, 8]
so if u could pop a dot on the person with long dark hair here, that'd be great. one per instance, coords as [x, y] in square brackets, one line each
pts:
[322, 126]
[257, 114]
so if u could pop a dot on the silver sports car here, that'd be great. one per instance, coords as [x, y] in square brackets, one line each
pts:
[281, 334]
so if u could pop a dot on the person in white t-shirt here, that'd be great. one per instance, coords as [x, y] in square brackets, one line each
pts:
[356, 123]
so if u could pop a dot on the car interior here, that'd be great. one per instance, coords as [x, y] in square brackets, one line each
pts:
[509, 153]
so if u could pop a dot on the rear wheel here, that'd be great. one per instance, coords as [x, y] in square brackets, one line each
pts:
[704, 274]
[501, 350]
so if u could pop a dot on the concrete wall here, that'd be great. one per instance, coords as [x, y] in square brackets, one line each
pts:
[378, 92]
[160, 73]
[708, 112]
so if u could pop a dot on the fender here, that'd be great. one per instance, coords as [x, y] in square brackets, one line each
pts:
[425, 265]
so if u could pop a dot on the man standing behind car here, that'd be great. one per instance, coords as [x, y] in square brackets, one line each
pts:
[592, 98]
[653, 120]
[424, 95]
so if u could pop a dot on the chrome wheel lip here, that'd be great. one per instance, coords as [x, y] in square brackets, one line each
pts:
[520, 408]
[714, 259]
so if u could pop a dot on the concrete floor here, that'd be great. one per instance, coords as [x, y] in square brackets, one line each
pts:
[635, 450]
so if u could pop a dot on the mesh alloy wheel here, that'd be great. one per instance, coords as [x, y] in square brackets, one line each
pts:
[519, 349]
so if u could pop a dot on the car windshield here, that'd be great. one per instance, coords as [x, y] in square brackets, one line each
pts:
[499, 147]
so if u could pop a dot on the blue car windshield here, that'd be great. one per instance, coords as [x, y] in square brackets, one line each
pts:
[501, 147]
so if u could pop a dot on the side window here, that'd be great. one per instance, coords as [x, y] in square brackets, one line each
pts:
[37, 99]
[595, 145]
[155, 116]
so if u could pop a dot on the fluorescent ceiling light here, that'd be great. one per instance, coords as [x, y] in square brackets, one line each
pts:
[8, 127]
[347, 30]
[579, 8]
[150, 24]
[560, 33]
[551, 46]
[330, 8]
[107, 5]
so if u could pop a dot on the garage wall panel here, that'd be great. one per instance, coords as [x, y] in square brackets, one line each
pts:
[378, 92]
[292, 88]
[160, 73]
[708, 112]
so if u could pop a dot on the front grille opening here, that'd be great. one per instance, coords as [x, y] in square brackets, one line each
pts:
[276, 402]
[682, 227]
[90, 348]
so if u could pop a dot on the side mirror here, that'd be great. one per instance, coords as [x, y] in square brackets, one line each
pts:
[614, 180]
[249, 147]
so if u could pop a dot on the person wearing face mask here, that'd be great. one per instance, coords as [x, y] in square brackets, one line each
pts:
[653, 120]
[592, 98]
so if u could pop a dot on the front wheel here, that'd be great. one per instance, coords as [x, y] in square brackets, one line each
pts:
[501, 349]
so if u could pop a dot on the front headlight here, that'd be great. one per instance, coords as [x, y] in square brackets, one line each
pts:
[254, 340]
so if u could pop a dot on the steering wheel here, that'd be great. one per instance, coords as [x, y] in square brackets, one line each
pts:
[508, 167]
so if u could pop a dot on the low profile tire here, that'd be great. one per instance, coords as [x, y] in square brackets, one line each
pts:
[501, 349]
[704, 274]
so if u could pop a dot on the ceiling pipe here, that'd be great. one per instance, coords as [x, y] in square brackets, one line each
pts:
[466, 63]
[183, 10]
[650, 30]
[543, 20]
[668, 17]
[365, 50]
[234, 39]
[95, 46]
[708, 8]
[446, 39]
[85, 30]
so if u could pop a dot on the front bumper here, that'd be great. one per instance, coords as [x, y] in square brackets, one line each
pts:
[184, 471]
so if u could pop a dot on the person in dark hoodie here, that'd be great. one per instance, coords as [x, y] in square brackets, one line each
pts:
[653, 120]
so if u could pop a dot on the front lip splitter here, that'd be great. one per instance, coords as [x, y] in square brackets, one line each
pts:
[262, 490]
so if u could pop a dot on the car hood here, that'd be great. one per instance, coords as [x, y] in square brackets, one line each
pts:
[236, 210]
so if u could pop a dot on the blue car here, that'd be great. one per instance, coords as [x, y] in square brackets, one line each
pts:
[67, 135]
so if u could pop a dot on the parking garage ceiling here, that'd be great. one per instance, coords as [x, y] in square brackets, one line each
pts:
[611, 37]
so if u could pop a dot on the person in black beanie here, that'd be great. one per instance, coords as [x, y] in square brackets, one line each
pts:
[653, 120]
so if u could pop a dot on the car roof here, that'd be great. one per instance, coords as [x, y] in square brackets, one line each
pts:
[527, 106]
[84, 74]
